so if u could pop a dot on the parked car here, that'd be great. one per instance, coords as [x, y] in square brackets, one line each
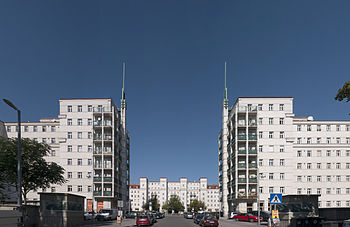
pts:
[152, 218]
[232, 214]
[107, 214]
[197, 218]
[189, 215]
[185, 214]
[131, 215]
[265, 216]
[247, 217]
[209, 221]
[89, 215]
[143, 219]
[159, 215]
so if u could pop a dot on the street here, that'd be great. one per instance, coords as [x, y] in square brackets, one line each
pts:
[171, 221]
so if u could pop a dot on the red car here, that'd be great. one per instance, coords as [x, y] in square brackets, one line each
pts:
[143, 220]
[209, 221]
[246, 217]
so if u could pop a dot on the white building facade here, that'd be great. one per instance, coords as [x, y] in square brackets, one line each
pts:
[90, 141]
[264, 148]
[186, 190]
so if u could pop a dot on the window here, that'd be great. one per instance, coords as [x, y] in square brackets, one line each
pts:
[89, 162]
[80, 162]
[329, 178]
[318, 140]
[328, 128]
[44, 140]
[308, 165]
[298, 128]
[347, 165]
[281, 107]
[69, 188]
[299, 141]
[281, 162]
[35, 139]
[308, 191]
[338, 140]
[69, 135]
[338, 203]
[281, 135]
[69, 175]
[328, 165]
[318, 165]
[80, 135]
[308, 153]
[347, 140]
[89, 135]
[89, 188]
[337, 128]
[80, 175]
[80, 121]
[348, 178]
[69, 121]
[270, 176]
[69, 161]
[53, 128]
[260, 122]
[80, 188]
[347, 190]
[337, 165]
[44, 128]
[308, 127]
[53, 153]
[282, 190]
[338, 191]
[298, 165]
[270, 189]
[89, 121]
[69, 148]
[338, 178]
[89, 148]
[270, 107]
[338, 153]
[282, 148]
[348, 153]
[328, 203]
[328, 140]
[260, 148]
[308, 141]
[80, 109]
[260, 135]
[26, 128]
[318, 128]
[35, 128]
[270, 121]
[270, 135]
[309, 178]
[299, 191]
[270, 148]
[260, 107]
[318, 191]
[89, 108]
[260, 162]
[9, 128]
[80, 148]
[328, 153]
[53, 140]
[328, 191]
[319, 153]
[299, 153]
[282, 176]
[318, 178]
[281, 121]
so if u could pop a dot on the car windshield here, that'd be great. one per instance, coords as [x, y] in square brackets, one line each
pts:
[142, 216]
[209, 218]
[106, 211]
[199, 215]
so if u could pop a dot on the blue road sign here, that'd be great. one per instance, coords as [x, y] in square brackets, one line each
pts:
[276, 198]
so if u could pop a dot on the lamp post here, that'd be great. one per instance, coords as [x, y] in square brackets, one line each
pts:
[19, 167]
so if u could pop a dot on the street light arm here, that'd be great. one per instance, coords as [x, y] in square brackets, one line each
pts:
[8, 102]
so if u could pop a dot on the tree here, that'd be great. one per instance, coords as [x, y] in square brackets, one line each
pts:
[174, 204]
[36, 172]
[344, 92]
[155, 204]
[196, 205]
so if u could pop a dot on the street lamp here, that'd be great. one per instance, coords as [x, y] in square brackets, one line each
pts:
[19, 168]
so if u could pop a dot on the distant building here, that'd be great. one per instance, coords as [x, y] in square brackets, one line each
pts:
[186, 190]
[90, 141]
[264, 149]
[2, 130]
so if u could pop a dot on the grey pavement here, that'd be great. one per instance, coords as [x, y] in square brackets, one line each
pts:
[170, 221]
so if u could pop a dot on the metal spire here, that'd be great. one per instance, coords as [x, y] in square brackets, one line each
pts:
[225, 95]
[123, 90]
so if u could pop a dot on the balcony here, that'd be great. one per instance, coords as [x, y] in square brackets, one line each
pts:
[107, 179]
[241, 165]
[241, 124]
[107, 193]
[98, 166]
[253, 180]
[252, 124]
[252, 137]
[97, 136]
[97, 179]
[241, 180]
[107, 137]
[107, 150]
[98, 151]
[253, 165]
[242, 137]
[252, 108]
[97, 193]
[242, 109]
[242, 151]
[97, 123]
[107, 124]
[101, 109]
[252, 151]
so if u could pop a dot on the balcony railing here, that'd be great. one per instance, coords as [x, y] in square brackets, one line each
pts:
[107, 137]
[98, 166]
[107, 179]
[252, 151]
[242, 109]
[100, 109]
[252, 137]
[241, 165]
[242, 137]
[97, 193]
[107, 151]
[242, 180]
[253, 180]
[97, 123]
[97, 179]
[252, 108]
[241, 124]
[242, 151]
[98, 151]
[107, 193]
[97, 137]
[253, 165]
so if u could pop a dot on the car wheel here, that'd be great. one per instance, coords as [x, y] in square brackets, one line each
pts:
[251, 220]
[237, 219]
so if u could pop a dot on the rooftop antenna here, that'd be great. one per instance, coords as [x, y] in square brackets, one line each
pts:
[123, 93]
[225, 96]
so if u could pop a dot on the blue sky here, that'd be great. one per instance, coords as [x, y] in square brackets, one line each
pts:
[175, 53]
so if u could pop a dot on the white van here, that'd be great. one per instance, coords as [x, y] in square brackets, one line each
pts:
[107, 214]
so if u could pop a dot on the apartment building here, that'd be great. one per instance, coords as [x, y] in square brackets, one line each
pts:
[264, 148]
[186, 190]
[90, 141]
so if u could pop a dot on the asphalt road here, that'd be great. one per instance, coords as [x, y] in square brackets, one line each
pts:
[172, 221]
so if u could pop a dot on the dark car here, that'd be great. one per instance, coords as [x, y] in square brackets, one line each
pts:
[158, 215]
[197, 218]
[131, 215]
[152, 217]
[265, 216]
[209, 221]
[143, 219]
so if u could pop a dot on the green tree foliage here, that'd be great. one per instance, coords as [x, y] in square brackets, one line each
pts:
[36, 172]
[196, 205]
[155, 204]
[174, 203]
[344, 92]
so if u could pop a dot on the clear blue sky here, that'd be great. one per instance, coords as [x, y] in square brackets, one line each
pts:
[175, 53]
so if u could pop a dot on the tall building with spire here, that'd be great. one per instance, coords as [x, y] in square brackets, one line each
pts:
[90, 140]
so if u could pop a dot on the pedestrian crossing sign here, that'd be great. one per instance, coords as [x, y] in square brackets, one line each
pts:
[276, 198]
